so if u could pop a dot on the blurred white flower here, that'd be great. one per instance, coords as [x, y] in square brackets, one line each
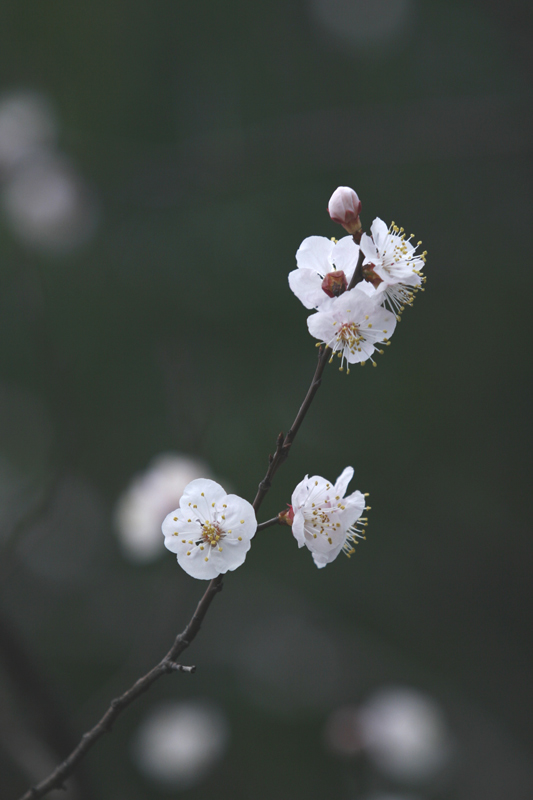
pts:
[27, 126]
[211, 531]
[151, 495]
[179, 743]
[371, 26]
[48, 204]
[391, 796]
[404, 733]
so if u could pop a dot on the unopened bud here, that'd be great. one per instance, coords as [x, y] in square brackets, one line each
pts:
[344, 207]
[335, 283]
[286, 517]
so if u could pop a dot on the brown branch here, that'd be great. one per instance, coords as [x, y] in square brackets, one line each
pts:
[283, 444]
[167, 665]
[268, 524]
[357, 276]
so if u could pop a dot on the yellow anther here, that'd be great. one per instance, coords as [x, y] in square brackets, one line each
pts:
[202, 494]
[188, 552]
[242, 522]
[175, 519]
[239, 538]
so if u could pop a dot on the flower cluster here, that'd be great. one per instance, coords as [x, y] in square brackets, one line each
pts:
[357, 288]
[351, 282]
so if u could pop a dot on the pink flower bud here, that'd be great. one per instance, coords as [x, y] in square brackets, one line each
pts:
[344, 207]
[335, 283]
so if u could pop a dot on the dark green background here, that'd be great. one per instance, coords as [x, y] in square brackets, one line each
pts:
[213, 134]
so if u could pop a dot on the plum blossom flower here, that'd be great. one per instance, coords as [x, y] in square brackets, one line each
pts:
[210, 532]
[344, 207]
[323, 519]
[353, 325]
[325, 268]
[392, 265]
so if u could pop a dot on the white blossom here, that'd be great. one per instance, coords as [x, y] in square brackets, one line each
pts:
[392, 264]
[352, 325]
[210, 531]
[318, 257]
[323, 519]
[404, 733]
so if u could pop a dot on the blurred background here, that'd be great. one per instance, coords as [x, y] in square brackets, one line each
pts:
[160, 164]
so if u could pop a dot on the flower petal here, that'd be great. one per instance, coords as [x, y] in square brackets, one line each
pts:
[307, 286]
[314, 253]
[341, 484]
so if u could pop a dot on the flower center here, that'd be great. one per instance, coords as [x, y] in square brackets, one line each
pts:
[349, 335]
[212, 533]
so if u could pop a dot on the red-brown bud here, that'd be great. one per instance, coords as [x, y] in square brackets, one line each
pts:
[370, 276]
[344, 207]
[335, 283]
[286, 517]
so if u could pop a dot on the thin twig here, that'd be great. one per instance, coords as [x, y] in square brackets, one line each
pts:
[166, 665]
[283, 444]
[267, 524]
[357, 276]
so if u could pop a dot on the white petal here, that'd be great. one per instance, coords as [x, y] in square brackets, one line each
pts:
[239, 517]
[345, 255]
[314, 253]
[379, 232]
[300, 493]
[321, 326]
[369, 249]
[343, 480]
[307, 286]
[298, 527]
[212, 492]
